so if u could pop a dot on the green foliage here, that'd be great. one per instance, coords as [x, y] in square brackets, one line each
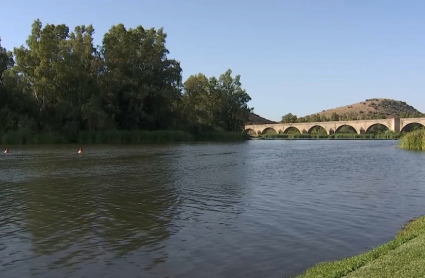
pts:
[291, 130]
[289, 118]
[26, 136]
[269, 131]
[132, 137]
[346, 129]
[378, 128]
[334, 117]
[318, 130]
[59, 69]
[401, 257]
[336, 136]
[414, 140]
[17, 109]
[62, 84]
[220, 103]
[220, 136]
[141, 85]
[6, 61]
[412, 127]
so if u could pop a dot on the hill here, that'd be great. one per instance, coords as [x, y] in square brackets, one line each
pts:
[255, 119]
[373, 109]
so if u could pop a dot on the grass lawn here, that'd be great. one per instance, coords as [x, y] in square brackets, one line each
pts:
[404, 256]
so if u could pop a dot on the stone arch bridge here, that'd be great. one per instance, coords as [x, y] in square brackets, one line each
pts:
[360, 126]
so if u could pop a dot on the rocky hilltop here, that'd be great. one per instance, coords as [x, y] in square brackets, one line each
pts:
[374, 108]
[255, 119]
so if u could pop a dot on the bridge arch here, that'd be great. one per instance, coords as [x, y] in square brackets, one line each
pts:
[317, 129]
[412, 126]
[269, 130]
[346, 129]
[377, 128]
[291, 129]
[250, 132]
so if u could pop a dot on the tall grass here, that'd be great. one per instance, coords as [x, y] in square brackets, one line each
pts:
[21, 137]
[414, 140]
[132, 137]
[117, 137]
[220, 136]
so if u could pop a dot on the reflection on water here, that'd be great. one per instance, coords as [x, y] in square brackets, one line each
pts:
[253, 209]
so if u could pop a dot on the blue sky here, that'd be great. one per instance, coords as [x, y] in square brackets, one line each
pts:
[299, 56]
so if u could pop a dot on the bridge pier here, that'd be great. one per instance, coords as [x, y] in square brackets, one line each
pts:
[396, 125]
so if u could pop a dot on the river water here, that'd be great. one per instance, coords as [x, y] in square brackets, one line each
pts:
[251, 209]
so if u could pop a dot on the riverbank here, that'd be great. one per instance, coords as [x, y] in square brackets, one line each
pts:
[118, 137]
[337, 136]
[401, 257]
[414, 140]
[319, 138]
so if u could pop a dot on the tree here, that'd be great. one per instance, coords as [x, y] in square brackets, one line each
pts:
[220, 103]
[323, 118]
[6, 60]
[196, 100]
[62, 83]
[289, 118]
[230, 103]
[315, 118]
[60, 70]
[334, 117]
[17, 110]
[141, 85]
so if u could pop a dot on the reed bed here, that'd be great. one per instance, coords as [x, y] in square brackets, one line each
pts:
[22, 137]
[414, 140]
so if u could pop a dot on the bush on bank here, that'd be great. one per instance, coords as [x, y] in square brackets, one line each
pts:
[414, 140]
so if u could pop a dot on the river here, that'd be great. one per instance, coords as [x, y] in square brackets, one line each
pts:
[250, 209]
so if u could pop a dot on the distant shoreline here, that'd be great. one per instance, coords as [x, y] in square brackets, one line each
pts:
[254, 138]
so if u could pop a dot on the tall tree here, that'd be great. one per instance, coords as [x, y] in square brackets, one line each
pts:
[60, 70]
[196, 100]
[142, 86]
[6, 60]
[61, 82]
[230, 103]
[221, 103]
[16, 108]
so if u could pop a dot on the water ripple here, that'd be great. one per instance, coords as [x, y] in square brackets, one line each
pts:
[254, 209]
